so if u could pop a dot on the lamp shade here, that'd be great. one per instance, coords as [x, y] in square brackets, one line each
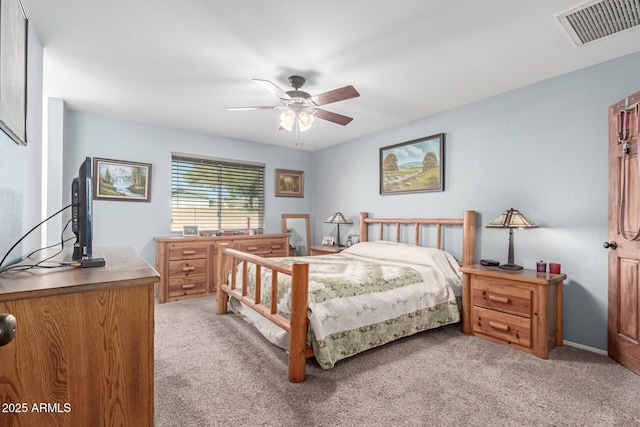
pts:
[338, 218]
[511, 218]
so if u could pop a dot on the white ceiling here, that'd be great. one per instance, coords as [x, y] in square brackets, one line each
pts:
[180, 63]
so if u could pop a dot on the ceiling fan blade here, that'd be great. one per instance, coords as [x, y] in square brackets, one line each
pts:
[273, 88]
[336, 95]
[251, 108]
[332, 117]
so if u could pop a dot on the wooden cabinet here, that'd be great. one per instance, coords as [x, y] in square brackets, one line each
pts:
[521, 309]
[325, 249]
[83, 349]
[187, 265]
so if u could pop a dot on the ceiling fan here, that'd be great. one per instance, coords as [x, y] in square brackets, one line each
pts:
[300, 107]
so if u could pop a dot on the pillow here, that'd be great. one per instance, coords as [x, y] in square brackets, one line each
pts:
[405, 253]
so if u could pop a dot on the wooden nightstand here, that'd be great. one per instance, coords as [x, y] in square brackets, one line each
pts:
[521, 309]
[325, 249]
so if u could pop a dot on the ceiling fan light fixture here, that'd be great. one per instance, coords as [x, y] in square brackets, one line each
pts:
[288, 120]
[305, 120]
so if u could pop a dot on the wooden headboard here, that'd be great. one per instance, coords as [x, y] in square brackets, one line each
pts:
[468, 223]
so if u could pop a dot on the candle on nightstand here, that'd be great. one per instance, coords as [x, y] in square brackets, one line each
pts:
[554, 268]
[541, 266]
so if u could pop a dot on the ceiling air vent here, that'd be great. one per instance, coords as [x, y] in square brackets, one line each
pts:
[601, 18]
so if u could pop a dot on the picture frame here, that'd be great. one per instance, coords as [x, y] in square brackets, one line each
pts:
[190, 230]
[327, 241]
[415, 166]
[289, 183]
[13, 70]
[121, 180]
[352, 239]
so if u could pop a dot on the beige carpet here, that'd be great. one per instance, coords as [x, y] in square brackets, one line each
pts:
[217, 371]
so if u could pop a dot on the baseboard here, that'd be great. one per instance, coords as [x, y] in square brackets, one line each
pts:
[585, 347]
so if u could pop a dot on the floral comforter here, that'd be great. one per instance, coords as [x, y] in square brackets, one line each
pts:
[368, 295]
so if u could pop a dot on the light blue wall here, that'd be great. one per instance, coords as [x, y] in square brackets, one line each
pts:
[136, 223]
[20, 174]
[541, 149]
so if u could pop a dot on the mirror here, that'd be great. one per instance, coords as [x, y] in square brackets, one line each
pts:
[297, 225]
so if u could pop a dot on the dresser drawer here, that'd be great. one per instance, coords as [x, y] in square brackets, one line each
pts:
[502, 297]
[190, 285]
[263, 248]
[187, 251]
[189, 267]
[506, 327]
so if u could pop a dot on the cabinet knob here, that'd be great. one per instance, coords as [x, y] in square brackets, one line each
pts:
[7, 328]
[610, 244]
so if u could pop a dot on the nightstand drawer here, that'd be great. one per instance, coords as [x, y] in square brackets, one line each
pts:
[187, 285]
[502, 297]
[506, 327]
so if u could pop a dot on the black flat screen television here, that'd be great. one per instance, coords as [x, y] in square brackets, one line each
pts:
[82, 217]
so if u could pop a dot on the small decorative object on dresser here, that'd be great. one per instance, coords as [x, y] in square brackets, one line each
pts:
[190, 230]
[521, 309]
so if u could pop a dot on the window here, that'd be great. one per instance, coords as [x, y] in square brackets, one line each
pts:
[215, 194]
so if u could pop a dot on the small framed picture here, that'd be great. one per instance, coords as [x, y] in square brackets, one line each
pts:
[190, 230]
[289, 183]
[352, 239]
[327, 240]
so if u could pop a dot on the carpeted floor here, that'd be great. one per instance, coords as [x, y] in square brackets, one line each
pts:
[217, 371]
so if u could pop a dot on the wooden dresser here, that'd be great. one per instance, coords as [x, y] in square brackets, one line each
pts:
[521, 309]
[187, 265]
[83, 349]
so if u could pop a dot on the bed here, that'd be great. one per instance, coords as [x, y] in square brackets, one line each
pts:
[337, 305]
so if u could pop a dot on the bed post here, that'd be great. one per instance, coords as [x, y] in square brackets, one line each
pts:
[223, 272]
[298, 328]
[364, 230]
[468, 258]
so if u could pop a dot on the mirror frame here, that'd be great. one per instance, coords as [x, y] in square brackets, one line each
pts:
[308, 229]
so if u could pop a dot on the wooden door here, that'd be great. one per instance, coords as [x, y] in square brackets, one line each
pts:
[624, 235]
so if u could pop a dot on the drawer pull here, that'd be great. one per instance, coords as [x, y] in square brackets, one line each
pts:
[188, 252]
[188, 268]
[252, 248]
[275, 246]
[191, 286]
[500, 326]
[503, 300]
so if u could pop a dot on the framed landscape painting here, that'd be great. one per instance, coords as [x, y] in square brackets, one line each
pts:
[413, 166]
[121, 180]
[289, 183]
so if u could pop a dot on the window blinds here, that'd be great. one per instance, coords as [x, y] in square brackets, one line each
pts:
[215, 194]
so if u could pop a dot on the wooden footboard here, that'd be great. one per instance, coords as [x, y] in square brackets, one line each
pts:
[228, 258]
